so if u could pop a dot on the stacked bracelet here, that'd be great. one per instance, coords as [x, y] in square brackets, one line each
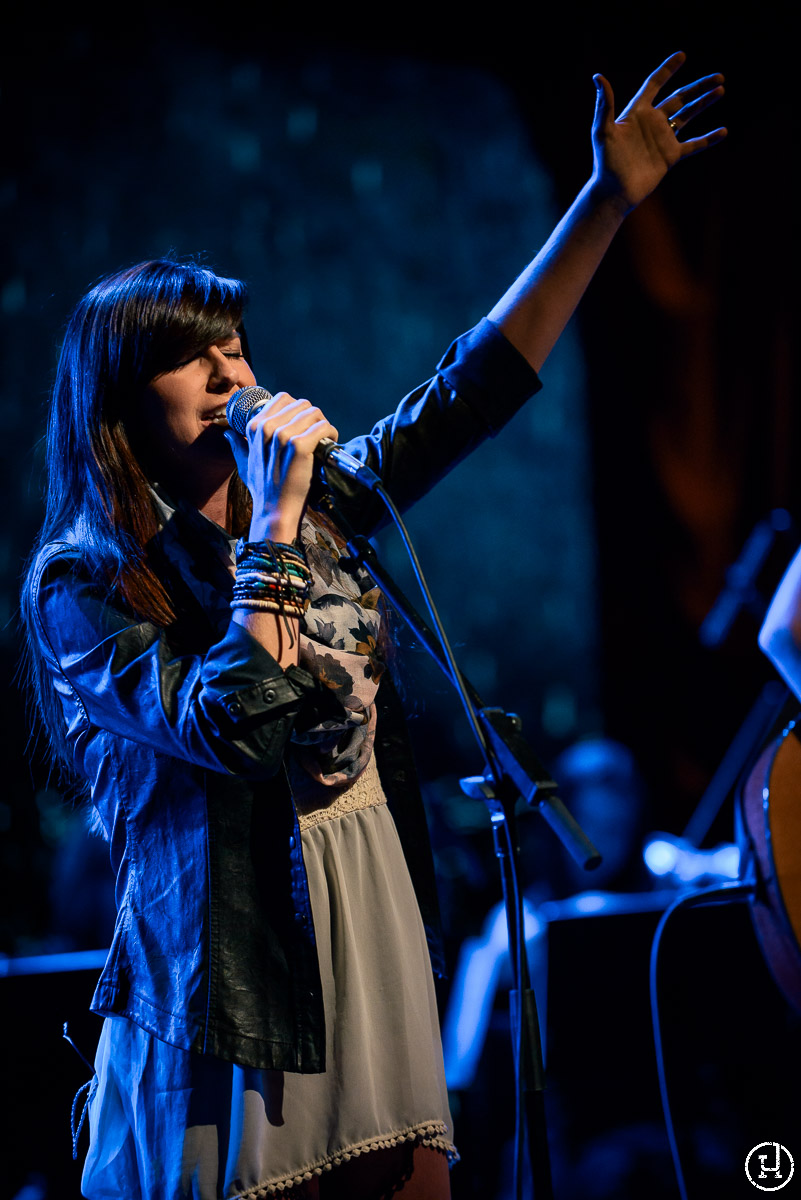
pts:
[271, 577]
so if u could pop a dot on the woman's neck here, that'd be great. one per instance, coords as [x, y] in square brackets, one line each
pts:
[208, 497]
[215, 506]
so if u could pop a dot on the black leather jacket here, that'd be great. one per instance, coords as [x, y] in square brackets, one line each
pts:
[181, 734]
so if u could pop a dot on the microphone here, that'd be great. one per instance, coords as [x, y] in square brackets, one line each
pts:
[331, 457]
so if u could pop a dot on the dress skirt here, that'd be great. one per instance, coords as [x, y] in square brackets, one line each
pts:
[167, 1123]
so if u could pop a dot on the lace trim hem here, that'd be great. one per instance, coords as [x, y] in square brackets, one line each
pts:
[364, 792]
[431, 1133]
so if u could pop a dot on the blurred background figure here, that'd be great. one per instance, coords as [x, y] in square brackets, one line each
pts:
[599, 782]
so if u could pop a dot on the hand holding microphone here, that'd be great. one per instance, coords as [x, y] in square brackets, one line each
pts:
[273, 443]
[249, 400]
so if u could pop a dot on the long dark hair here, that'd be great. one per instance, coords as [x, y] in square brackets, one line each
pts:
[132, 326]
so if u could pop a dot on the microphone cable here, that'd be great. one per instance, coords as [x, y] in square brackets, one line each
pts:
[736, 891]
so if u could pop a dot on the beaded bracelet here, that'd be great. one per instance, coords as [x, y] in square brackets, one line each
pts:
[276, 553]
[271, 577]
[281, 609]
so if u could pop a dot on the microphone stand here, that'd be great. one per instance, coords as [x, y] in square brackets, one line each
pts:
[512, 770]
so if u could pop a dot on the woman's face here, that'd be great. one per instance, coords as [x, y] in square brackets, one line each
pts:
[182, 414]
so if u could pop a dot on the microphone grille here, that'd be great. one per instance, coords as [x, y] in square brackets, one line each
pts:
[241, 405]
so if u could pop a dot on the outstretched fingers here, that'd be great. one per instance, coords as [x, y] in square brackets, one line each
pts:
[686, 93]
[695, 145]
[660, 77]
[679, 117]
[686, 103]
[682, 105]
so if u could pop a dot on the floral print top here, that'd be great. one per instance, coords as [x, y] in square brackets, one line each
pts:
[339, 646]
[340, 635]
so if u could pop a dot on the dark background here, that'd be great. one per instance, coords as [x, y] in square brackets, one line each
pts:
[378, 191]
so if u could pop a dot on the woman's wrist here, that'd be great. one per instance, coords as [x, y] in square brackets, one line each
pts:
[273, 528]
[605, 200]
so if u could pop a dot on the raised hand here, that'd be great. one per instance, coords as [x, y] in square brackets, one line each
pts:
[634, 151]
[631, 155]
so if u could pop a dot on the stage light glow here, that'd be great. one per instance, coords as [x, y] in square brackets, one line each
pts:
[660, 856]
[665, 855]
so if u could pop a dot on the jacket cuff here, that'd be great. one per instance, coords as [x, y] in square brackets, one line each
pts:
[256, 683]
[489, 374]
[267, 695]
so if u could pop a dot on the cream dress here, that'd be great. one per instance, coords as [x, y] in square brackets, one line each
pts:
[166, 1123]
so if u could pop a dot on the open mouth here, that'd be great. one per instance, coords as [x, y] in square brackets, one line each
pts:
[216, 417]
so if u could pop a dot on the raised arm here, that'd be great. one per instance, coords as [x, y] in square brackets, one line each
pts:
[631, 155]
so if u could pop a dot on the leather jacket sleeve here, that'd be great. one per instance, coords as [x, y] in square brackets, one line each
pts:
[480, 384]
[230, 709]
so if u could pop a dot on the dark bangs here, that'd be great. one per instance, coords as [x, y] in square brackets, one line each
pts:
[158, 314]
[132, 326]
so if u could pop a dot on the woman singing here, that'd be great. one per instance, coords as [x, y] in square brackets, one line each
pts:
[204, 664]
